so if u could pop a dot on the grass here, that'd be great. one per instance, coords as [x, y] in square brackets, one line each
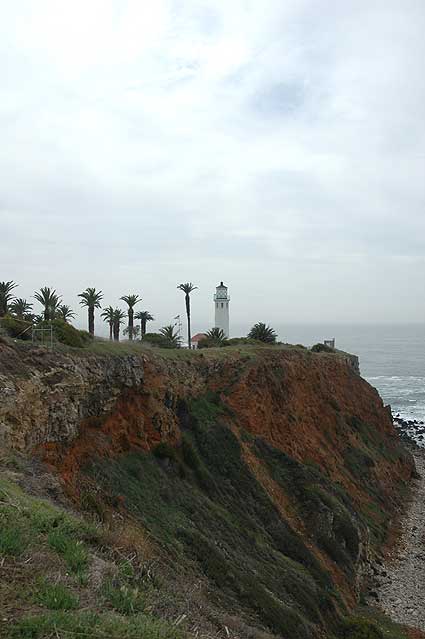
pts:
[72, 550]
[55, 596]
[13, 541]
[125, 347]
[122, 597]
[35, 537]
[87, 625]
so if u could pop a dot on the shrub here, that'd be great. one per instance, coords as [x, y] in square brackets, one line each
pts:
[164, 451]
[56, 597]
[262, 332]
[242, 341]
[68, 335]
[360, 629]
[156, 339]
[322, 348]
[15, 327]
[210, 343]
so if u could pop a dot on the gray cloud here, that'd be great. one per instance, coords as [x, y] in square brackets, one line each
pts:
[280, 148]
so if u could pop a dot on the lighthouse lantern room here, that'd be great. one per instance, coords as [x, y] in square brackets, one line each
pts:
[221, 301]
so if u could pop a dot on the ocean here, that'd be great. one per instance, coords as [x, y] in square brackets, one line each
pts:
[392, 358]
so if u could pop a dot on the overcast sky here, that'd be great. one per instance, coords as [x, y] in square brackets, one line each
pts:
[276, 145]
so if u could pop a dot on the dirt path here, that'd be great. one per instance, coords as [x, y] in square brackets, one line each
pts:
[401, 584]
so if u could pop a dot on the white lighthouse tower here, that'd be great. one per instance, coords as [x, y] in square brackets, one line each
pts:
[221, 301]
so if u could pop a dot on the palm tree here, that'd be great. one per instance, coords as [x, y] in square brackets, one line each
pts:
[131, 300]
[216, 336]
[172, 338]
[50, 300]
[187, 289]
[144, 317]
[119, 316]
[20, 307]
[64, 313]
[6, 296]
[91, 298]
[263, 333]
[108, 316]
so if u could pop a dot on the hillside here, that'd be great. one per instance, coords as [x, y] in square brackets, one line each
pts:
[240, 493]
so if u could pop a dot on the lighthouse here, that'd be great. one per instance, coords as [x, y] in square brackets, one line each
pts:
[221, 301]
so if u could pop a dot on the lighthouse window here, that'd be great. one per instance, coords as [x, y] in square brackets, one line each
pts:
[227, 304]
[222, 304]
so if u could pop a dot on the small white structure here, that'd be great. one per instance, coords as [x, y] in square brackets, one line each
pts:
[330, 342]
[221, 301]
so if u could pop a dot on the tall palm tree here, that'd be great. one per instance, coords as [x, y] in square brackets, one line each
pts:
[91, 298]
[108, 316]
[65, 313]
[20, 307]
[263, 333]
[172, 338]
[50, 300]
[6, 296]
[144, 317]
[119, 316]
[187, 288]
[131, 300]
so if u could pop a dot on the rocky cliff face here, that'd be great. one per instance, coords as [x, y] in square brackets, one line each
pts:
[271, 474]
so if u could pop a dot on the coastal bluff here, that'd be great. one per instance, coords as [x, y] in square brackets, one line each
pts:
[269, 477]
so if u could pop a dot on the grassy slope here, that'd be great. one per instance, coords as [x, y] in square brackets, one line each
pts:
[58, 579]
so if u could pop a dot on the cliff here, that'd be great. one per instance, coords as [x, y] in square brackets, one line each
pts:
[268, 478]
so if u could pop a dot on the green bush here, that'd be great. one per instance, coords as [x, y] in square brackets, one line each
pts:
[15, 327]
[240, 341]
[156, 339]
[208, 342]
[322, 348]
[67, 334]
[163, 450]
[360, 629]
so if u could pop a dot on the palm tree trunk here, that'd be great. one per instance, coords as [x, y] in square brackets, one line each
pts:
[189, 337]
[130, 324]
[143, 327]
[91, 320]
[110, 330]
[116, 331]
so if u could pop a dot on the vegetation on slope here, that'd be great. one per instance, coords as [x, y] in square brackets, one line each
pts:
[59, 579]
[204, 505]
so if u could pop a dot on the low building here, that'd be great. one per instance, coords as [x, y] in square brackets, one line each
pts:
[196, 339]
